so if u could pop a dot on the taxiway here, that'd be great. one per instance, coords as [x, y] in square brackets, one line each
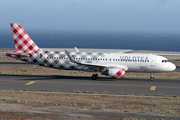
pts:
[102, 84]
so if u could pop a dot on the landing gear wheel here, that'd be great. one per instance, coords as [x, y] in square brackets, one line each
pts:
[151, 79]
[151, 76]
[94, 76]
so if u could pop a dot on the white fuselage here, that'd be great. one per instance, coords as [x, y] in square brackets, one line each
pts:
[139, 62]
[129, 61]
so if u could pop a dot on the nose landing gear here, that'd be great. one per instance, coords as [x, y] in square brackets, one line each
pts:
[151, 77]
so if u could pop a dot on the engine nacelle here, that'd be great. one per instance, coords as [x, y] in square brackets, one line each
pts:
[115, 73]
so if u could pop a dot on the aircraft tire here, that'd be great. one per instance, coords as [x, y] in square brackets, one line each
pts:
[151, 79]
[94, 77]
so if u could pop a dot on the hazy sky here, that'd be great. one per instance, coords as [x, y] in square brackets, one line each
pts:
[96, 15]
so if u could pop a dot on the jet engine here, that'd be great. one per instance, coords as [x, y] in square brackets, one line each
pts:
[117, 73]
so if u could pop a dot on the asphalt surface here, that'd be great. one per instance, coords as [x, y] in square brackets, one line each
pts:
[69, 83]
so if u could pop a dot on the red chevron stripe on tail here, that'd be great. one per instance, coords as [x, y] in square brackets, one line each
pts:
[22, 40]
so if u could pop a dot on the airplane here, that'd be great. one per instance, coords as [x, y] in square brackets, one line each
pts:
[113, 65]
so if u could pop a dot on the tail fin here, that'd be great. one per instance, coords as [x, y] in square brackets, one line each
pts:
[22, 40]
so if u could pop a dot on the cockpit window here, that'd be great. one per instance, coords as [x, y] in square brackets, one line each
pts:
[164, 61]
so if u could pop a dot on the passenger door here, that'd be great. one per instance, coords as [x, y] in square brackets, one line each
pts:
[153, 61]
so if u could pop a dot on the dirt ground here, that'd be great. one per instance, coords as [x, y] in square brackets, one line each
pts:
[30, 105]
[41, 105]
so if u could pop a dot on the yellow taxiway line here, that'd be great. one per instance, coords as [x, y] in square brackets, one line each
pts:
[29, 83]
[102, 84]
[153, 88]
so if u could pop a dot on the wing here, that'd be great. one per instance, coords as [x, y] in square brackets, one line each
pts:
[95, 66]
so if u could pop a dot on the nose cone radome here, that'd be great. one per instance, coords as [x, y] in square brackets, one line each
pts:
[172, 67]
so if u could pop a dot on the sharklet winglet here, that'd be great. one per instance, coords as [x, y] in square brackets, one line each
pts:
[76, 49]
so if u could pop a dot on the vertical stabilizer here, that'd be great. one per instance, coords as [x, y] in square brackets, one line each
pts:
[22, 40]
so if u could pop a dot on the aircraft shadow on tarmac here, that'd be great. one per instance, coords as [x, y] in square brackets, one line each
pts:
[84, 78]
[55, 77]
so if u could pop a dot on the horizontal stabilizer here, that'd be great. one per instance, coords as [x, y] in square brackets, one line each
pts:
[17, 55]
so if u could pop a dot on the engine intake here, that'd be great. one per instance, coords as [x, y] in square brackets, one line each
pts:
[115, 73]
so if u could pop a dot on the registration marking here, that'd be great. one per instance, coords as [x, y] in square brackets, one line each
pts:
[29, 83]
[153, 88]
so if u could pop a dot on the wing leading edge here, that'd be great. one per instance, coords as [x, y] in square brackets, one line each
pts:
[104, 66]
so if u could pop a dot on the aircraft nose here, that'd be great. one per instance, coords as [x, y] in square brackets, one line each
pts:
[172, 67]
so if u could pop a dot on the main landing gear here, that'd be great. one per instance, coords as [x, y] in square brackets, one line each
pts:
[151, 77]
[94, 76]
